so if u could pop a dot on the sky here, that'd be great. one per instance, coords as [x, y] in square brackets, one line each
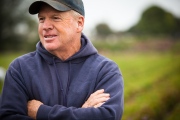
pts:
[120, 15]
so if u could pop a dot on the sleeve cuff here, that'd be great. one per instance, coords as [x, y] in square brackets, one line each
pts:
[43, 112]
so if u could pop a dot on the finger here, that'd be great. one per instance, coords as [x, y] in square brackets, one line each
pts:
[97, 101]
[99, 105]
[93, 102]
[102, 95]
[98, 92]
[99, 96]
[85, 105]
[94, 98]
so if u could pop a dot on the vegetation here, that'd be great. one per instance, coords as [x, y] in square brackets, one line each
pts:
[17, 27]
[152, 84]
[155, 21]
[151, 79]
[103, 30]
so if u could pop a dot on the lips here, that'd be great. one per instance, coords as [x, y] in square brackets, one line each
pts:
[49, 37]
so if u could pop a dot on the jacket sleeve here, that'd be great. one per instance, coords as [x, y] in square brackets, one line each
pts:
[13, 103]
[110, 79]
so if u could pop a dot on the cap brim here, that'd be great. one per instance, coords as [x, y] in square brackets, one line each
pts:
[35, 7]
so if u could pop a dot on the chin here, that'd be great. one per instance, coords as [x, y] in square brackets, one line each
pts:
[49, 48]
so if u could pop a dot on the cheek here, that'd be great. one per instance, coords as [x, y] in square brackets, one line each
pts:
[68, 26]
[39, 29]
[40, 32]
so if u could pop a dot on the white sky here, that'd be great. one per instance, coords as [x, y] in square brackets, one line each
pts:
[120, 15]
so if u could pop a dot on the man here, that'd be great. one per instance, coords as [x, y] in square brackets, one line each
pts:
[65, 78]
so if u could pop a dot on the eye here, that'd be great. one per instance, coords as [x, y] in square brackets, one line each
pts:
[56, 18]
[41, 19]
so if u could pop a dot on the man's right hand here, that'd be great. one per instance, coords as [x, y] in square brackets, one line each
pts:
[96, 99]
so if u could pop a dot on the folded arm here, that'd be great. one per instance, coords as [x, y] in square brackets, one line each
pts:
[95, 100]
[111, 109]
[14, 101]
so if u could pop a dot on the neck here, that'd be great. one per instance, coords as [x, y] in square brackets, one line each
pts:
[68, 52]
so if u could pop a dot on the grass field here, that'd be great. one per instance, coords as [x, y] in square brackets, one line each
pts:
[152, 83]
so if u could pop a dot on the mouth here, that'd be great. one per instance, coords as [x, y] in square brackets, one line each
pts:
[49, 37]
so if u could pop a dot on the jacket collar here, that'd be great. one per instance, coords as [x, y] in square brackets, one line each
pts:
[86, 49]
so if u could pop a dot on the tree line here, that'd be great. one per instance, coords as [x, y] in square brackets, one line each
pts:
[18, 29]
[154, 21]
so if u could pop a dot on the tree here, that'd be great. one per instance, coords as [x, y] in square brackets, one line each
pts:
[16, 25]
[157, 21]
[103, 30]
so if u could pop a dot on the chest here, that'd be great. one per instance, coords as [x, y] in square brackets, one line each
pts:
[66, 84]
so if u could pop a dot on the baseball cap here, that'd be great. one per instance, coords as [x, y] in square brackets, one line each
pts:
[60, 5]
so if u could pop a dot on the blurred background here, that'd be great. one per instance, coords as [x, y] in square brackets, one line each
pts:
[141, 36]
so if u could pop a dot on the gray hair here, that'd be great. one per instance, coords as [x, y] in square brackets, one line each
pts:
[75, 14]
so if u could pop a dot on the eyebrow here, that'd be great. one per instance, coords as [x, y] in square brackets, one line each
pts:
[54, 14]
[39, 15]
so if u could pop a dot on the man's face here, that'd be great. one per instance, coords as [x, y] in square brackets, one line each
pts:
[56, 29]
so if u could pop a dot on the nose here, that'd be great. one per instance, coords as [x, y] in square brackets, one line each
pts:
[47, 25]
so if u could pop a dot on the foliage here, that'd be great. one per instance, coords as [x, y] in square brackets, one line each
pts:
[139, 44]
[17, 27]
[113, 46]
[156, 21]
[151, 82]
[103, 30]
[174, 115]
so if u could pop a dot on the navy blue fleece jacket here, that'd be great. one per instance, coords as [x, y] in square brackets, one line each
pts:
[62, 86]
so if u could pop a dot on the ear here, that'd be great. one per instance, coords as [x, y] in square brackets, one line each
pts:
[80, 24]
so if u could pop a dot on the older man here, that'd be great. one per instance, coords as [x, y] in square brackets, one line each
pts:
[65, 78]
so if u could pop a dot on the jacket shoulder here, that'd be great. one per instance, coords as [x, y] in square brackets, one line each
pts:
[104, 60]
[23, 59]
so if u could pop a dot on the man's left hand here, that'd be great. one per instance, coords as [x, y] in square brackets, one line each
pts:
[33, 106]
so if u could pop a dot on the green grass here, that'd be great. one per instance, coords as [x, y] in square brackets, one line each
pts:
[7, 58]
[152, 86]
[141, 70]
[174, 115]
